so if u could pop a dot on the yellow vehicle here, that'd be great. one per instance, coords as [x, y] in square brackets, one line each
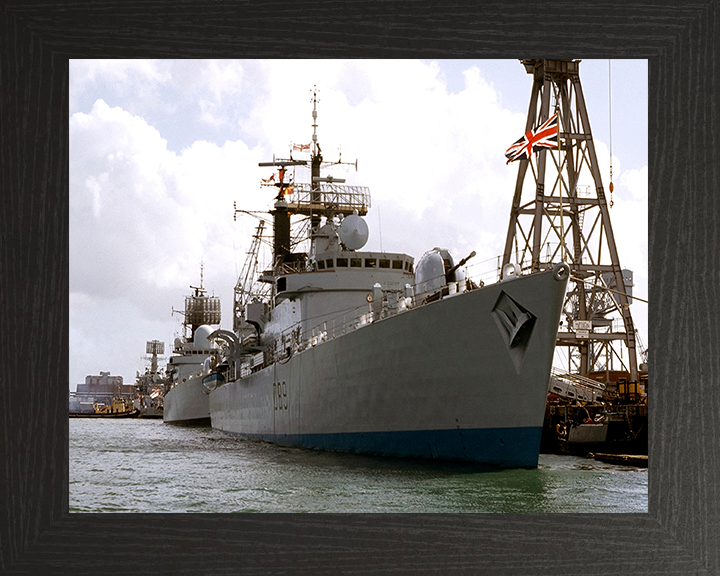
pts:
[117, 407]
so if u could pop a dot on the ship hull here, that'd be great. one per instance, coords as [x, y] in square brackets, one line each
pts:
[187, 403]
[458, 379]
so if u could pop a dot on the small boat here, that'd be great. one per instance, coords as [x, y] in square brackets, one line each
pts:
[116, 408]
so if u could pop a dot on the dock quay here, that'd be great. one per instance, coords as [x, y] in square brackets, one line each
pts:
[597, 427]
[639, 461]
[585, 415]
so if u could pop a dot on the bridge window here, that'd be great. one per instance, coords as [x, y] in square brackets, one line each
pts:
[355, 262]
[397, 265]
[329, 262]
[384, 263]
[342, 262]
[321, 265]
[370, 262]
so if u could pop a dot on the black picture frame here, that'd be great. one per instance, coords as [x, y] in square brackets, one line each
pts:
[681, 531]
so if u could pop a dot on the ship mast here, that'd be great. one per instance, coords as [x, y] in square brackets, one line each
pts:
[322, 196]
[199, 309]
[154, 348]
[316, 160]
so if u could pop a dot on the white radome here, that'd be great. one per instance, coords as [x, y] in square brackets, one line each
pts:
[353, 232]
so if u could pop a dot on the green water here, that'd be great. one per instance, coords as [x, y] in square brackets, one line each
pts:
[129, 465]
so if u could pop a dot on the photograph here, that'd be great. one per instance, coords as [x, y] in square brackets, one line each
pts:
[358, 285]
[359, 288]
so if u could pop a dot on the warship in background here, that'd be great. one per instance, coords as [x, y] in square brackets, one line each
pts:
[150, 386]
[336, 348]
[186, 401]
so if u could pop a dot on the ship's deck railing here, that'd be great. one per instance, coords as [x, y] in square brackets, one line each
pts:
[574, 386]
[294, 339]
[334, 324]
[577, 379]
[347, 321]
[337, 323]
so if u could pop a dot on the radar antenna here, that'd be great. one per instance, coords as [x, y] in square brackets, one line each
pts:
[199, 309]
[154, 348]
[322, 196]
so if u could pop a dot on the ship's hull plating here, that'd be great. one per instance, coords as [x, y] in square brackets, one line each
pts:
[460, 379]
[187, 403]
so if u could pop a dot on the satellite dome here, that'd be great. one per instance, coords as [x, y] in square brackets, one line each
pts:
[353, 232]
[430, 272]
[201, 337]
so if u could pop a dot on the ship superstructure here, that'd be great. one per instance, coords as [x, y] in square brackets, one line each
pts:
[194, 356]
[150, 385]
[366, 351]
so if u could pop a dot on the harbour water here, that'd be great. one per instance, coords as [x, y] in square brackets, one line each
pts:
[131, 465]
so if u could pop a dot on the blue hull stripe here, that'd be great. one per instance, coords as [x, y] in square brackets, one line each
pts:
[507, 447]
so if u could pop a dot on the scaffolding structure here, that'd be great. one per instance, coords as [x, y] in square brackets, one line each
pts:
[555, 217]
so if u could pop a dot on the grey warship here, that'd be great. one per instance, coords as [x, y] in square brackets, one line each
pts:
[335, 348]
[186, 400]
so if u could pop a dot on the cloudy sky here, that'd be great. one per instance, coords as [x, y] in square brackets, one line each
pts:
[160, 150]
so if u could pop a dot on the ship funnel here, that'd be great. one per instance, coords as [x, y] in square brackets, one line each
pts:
[282, 229]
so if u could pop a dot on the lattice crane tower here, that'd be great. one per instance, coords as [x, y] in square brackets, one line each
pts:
[556, 216]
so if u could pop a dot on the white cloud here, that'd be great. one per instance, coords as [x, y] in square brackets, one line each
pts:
[118, 72]
[636, 182]
[139, 82]
[214, 83]
[143, 217]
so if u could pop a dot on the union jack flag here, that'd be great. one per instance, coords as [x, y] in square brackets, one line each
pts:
[545, 136]
[301, 147]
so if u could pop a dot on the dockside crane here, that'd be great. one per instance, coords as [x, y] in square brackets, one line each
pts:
[556, 216]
